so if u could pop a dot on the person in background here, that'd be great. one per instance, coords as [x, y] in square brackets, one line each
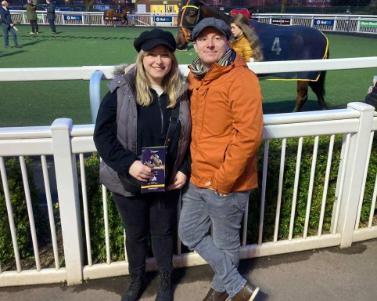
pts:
[371, 97]
[51, 15]
[7, 25]
[227, 126]
[244, 41]
[147, 106]
[31, 14]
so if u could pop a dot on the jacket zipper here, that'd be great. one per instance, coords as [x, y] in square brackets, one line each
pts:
[162, 116]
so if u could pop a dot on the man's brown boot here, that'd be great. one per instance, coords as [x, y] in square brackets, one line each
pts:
[216, 296]
[247, 293]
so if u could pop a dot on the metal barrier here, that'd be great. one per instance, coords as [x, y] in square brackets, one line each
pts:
[335, 23]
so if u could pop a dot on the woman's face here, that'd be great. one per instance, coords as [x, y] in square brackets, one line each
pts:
[236, 31]
[157, 64]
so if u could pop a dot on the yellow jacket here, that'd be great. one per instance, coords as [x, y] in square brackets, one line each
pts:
[242, 46]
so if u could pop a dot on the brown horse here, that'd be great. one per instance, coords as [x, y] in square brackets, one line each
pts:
[113, 17]
[300, 42]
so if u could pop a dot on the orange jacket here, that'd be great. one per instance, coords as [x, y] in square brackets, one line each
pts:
[227, 126]
[242, 46]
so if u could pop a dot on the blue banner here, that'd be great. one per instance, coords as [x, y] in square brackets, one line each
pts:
[73, 18]
[326, 22]
[163, 19]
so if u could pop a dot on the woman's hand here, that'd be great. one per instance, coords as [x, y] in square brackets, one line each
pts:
[140, 171]
[179, 181]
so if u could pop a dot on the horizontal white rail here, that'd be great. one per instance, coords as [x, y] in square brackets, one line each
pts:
[288, 118]
[313, 65]
[30, 132]
[53, 73]
[85, 72]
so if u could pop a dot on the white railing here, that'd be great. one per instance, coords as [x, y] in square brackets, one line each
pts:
[56, 149]
[97, 73]
[97, 18]
[324, 22]
[64, 142]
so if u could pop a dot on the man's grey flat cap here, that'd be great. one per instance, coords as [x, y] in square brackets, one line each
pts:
[218, 24]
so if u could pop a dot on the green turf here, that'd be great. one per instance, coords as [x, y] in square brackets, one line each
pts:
[39, 103]
[75, 46]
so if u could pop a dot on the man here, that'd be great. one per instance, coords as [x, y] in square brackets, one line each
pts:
[7, 25]
[227, 124]
[51, 15]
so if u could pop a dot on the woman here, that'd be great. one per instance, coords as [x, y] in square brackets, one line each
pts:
[146, 107]
[31, 14]
[245, 42]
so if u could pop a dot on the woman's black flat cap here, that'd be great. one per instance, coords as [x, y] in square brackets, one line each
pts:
[156, 37]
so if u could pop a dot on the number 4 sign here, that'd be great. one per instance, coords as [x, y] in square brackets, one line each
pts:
[276, 46]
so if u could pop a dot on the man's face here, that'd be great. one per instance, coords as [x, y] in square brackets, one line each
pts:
[4, 3]
[210, 46]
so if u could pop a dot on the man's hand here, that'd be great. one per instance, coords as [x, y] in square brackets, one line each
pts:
[140, 171]
[179, 181]
[209, 186]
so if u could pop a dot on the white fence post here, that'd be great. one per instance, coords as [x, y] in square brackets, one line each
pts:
[355, 164]
[95, 93]
[69, 204]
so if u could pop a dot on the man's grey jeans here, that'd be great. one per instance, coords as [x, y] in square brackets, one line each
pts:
[203, 208]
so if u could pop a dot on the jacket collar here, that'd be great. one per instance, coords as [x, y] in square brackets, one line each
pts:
[216, 71]
[124, 74]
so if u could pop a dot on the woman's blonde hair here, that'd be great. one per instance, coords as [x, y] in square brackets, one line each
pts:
[243, 23]
[172, 84]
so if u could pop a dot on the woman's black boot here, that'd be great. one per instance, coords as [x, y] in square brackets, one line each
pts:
[136, 287]
[165, 290]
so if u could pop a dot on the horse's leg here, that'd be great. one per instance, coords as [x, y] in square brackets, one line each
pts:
[302, 95]
[318, 88]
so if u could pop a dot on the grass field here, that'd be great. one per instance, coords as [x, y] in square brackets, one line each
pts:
[39, 103]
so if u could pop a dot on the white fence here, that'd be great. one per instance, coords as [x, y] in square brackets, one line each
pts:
[97, 18]
[324, 22]
[343, 136]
